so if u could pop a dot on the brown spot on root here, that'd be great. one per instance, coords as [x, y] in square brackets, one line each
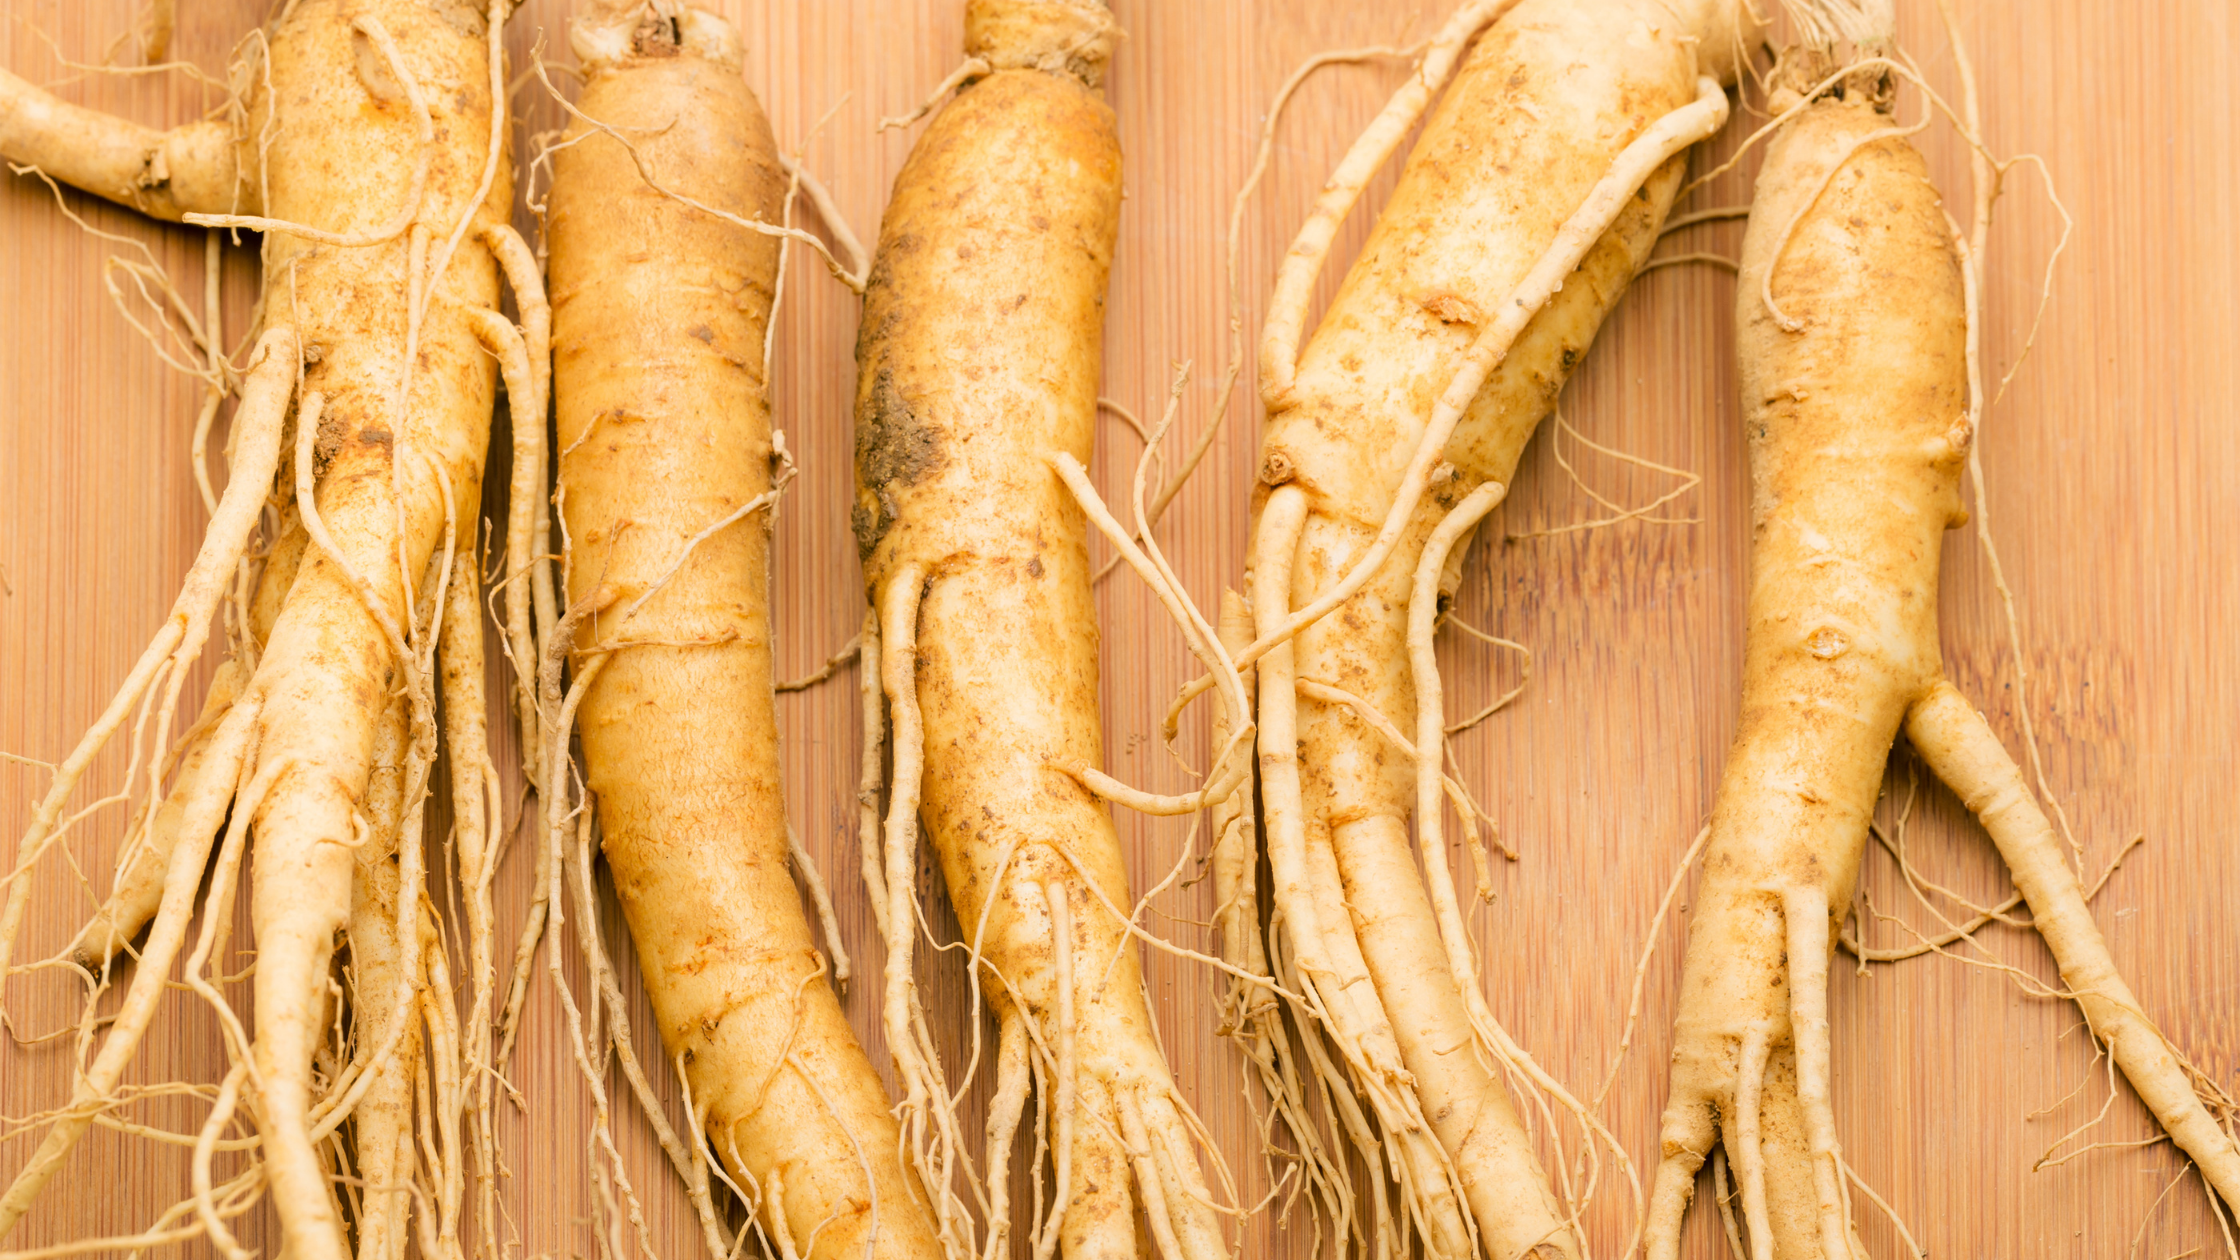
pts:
[893, 446]
[155, 173]
[1827, 643]
[656, 37]
[1034, 567]
[333, 432]
[1799, 69]
[704, 333]
[1452, 308]
[864, 523]
[1277, 469]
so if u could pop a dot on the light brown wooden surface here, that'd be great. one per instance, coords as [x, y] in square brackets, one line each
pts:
[2116, 504]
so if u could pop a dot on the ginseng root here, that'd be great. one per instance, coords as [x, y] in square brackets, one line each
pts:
[1390, 436]
[1854, 328]
[370, 151]
[978, 368]
[660, 311]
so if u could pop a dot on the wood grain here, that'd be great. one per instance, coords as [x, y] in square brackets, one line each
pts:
[2110, 462]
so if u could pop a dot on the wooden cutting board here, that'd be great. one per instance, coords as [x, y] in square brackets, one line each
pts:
[2111, 462]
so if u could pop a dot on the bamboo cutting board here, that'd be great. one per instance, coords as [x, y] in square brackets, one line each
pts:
[2111, 463]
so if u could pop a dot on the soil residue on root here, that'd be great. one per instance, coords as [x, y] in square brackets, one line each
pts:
[894, 447]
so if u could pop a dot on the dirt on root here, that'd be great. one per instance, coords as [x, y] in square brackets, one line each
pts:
[892, 446]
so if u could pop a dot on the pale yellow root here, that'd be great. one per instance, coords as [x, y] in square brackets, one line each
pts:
[204, 796]
[527, 507]
[1500, 1207]
[1805, 912]
[664, 243]
[1669, 136]
[1725, 1197]
[811, 879]
[873, 696]
[970, 517]
[205, 1194]
[146, 861]
[1329, 961]
[442, 1122]
[1005, 1109]
[1065, 1099]
[1478, 320]
[171, 653]
[384, 972]
[1749, 1155]
[831, 668]
[774, 1207]
[341, 94]
[923, 1110]
[1858, 300]
[475, 806]
[162, 174]
[1279, 337]
[411, 418]
[1492, 1148]
[1963, 751]
[1145, 1162]
[1250, 1014]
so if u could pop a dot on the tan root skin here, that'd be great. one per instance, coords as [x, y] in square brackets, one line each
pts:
[338, 160]
[384, 1129]
[189, 169]
[1556, 89]
[1858, 432]
[978, 364]
[659, 314]
[345, 147]
[1857, 436]
[132, 903]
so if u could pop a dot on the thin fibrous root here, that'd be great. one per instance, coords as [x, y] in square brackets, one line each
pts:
[1067, 1069]
[1804, 909]
[872, 695]
[170, 655]
[925, 1103]
[1747, 1152]
[833, 664]
[200, 768]
[1005, 1110]
[1248, 1015]
[1233, 762]
[524, 360]
[820, 896]
[475, 805]
[1961, 748]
